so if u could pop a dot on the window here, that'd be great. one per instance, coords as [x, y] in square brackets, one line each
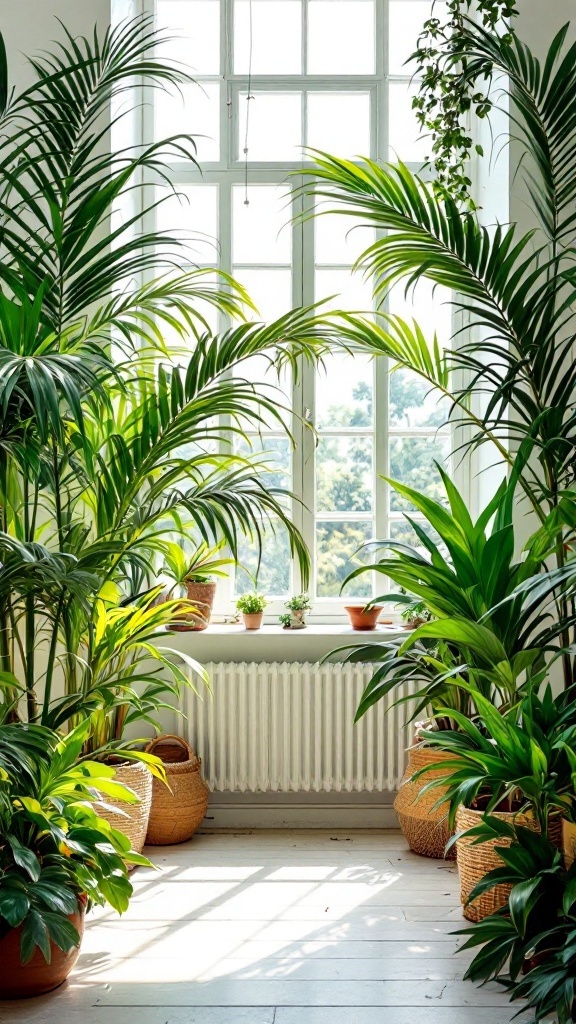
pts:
[275, 76]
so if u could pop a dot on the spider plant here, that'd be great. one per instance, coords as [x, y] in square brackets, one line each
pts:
[110, 449]
[510, 379]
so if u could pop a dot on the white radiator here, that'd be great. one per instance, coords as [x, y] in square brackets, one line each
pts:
[271, 727]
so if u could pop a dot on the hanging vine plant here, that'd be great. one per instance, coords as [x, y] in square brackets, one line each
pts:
[451, 88]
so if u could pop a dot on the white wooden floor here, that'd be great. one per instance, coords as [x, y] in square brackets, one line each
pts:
[307, 927]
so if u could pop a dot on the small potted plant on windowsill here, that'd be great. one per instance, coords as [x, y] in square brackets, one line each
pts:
[363, 616]
[297, 607]
[252, 607]
[194, 574]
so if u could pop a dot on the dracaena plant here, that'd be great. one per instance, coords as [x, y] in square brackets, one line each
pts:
[484, 636]
[56, 852]
[531, 926]
[519, 761]
[510, 378]
[109, 448]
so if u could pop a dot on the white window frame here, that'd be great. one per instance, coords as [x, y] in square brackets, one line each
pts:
[229, 171]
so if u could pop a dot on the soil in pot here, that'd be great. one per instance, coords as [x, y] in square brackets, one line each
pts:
[253, 620]
[202, 596]
[21, 981]
[362, 618]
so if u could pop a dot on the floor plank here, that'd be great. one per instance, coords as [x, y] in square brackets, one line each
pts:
[302, 927]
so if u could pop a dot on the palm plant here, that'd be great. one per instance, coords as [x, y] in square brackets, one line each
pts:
[108, 449]
[511, 379]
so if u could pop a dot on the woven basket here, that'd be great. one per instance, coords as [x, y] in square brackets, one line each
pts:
[476, 861]
[131, 819]
[569, 842]
[177, 812]
[426, 830]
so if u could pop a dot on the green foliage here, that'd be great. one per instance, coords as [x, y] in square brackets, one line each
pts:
[199, 567]
[513, 761]
[285, 619]
[55, 850]
[543, 895]
[299, 603]
[112, 454]
[251, 604]
[452, 86]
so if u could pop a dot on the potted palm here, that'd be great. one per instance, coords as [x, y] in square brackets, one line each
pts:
[252, 606]
[58, 856]
[125, 452]
[195, 572]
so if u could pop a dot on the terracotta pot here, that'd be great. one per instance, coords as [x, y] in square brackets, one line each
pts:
[252, 620]
[361, 618]
[202, 595]
[20, 981]
[569, 842]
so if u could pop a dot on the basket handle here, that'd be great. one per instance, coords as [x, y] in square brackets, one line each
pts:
[170, 736]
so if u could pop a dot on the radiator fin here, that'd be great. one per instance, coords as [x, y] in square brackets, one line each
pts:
[272, 727]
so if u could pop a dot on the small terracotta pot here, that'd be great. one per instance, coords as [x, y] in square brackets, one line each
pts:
[202, 596]
[363, 618]
[20, 981]
[252, 620]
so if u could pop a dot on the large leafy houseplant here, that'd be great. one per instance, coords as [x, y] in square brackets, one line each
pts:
[109, 450]
[509, 377]
[56, 853]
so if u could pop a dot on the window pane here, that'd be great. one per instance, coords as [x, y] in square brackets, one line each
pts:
[339, 240]
[404, 140]
[414, 404]
[261, 230]
[194, 30]
[275, 454]
[344, 474]
[191, 215]
[429, 304]
[341, 37]
[276, 37]
[274, 388]
[344, 393]
[412, 463]
[194, 110]
[270, 290]
[273, 578]
[401, 531]
[405, 25]
[339, 123]
[275, 126]
[336, 544]
[350, 291]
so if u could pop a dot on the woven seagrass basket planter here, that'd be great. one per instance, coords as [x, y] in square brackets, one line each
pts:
[131, 819]
[476, 861]
[424, 827]
[178, 811]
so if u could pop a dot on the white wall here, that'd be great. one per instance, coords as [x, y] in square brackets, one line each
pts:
[29, 26]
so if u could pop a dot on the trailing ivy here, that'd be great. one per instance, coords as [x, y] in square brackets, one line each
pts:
[450, 90]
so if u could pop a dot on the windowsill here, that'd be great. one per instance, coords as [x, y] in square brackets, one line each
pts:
[231, 643]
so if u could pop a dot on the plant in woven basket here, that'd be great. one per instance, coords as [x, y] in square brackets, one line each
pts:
[521, 761]
[528, 928]
[55, 849]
